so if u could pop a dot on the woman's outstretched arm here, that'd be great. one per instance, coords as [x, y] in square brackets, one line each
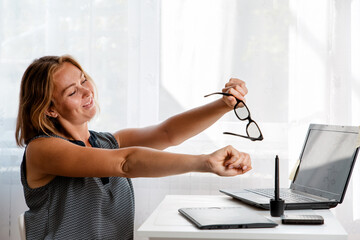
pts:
[50, 157]
[183, 126]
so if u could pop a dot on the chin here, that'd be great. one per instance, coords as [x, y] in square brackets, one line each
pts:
[92, 114]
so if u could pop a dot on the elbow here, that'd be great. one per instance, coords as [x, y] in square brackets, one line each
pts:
[168, 138]
[176, 142]
[122, 167]
[172, 140]
[127, 162]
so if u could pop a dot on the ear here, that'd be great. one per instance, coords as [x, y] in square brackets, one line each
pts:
[50, 112]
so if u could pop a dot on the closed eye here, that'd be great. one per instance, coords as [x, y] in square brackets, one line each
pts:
[71, 94]
[84, 81]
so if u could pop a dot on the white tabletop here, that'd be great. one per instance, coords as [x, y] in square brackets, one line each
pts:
[166, 223]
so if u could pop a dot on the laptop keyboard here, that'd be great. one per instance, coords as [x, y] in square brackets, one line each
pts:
[285, 195]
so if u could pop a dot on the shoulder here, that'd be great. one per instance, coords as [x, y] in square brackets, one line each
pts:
[39, 154]
[43, 144]
[105, 139]
[39, 141]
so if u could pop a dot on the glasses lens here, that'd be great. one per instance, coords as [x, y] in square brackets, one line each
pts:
[253, 130]
[242, 112]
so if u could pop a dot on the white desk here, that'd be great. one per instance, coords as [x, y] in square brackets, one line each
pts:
[166, 223]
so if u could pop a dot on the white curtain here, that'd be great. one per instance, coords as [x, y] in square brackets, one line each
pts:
[152, 59]
[96, 34]
[300, 60]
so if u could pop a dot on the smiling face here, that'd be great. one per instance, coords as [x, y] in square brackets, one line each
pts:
[73, 96]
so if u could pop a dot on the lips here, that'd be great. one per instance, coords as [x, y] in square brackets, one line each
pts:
[89, 104]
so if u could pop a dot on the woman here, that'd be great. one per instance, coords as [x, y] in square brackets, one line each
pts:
[76, 182]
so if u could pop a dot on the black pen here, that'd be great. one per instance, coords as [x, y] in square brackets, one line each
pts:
[277, 205]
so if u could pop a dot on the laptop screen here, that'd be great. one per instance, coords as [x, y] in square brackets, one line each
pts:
[326, 161]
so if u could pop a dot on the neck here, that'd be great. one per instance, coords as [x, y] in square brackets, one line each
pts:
[78, 132]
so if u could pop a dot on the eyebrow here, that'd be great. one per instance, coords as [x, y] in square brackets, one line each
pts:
[73, 84]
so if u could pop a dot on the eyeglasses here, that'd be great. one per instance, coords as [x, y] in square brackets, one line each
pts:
[242, 112]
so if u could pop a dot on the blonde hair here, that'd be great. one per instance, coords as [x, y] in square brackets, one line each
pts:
[36, 92]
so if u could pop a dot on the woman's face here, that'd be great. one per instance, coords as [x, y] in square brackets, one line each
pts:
[73, 96]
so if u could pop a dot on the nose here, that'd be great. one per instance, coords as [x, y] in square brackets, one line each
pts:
[85, 91]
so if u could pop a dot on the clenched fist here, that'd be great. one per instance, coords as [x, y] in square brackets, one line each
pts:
[228, 162]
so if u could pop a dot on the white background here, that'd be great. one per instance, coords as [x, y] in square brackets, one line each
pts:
[153, 59]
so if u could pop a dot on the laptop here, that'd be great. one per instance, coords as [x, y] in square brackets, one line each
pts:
[321, 179]
[226, 218]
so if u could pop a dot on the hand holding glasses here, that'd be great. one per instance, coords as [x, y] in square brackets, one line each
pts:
[242, 112]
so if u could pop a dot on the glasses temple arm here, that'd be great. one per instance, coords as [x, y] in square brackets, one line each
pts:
[221, 93]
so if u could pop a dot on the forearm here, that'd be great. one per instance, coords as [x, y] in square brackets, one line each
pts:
[147, 162]
[48, 157]
[188, 124]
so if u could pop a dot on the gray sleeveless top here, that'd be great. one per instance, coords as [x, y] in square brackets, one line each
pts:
[80, 208]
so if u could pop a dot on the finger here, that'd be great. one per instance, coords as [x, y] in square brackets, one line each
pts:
[247, 164]
[238, 88]
[231, 100]
[241, 90]
[248, 169]
[231, 171]
[233, 155]
[238, 170]
[235, 171]
[235, 87]
[234, 81]
[231, 159]
[236, 160]
[237, 164]
[236, 94]
[226, 89]
[243, 86]
[243, 162]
